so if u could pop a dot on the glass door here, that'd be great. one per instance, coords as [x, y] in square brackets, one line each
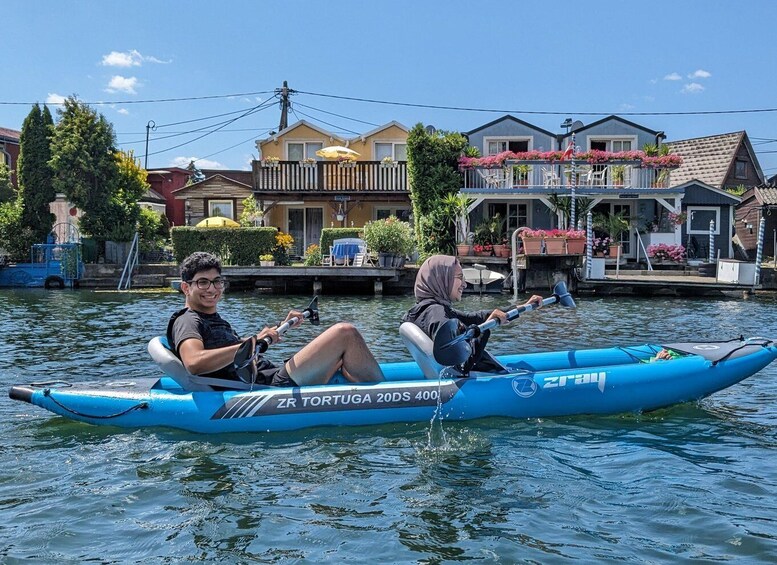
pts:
[305, 226]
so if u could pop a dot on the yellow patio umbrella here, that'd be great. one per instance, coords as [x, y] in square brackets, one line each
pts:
[337, 152]
[217, 222]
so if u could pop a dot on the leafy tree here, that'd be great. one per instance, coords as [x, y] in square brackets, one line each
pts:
[195, 174]
[251, 212]
[434, 173]
[7, 193]
[149, 225]
[85, 167]
[131, 185]
[14, 236]
[36, 182]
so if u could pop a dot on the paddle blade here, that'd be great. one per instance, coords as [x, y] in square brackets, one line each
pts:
[450, 347]
[245, 361]
[563, 296]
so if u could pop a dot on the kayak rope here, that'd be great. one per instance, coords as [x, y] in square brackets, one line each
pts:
[750, 341]
[139, 406]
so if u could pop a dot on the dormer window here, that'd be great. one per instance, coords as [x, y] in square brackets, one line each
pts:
[740, 170]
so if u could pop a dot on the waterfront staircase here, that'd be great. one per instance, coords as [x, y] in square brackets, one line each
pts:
[107, 275]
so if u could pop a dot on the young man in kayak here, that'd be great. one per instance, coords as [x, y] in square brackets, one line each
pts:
[439, 283]
[206, 343]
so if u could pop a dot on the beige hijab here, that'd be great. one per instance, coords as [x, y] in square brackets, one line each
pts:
[435, 279]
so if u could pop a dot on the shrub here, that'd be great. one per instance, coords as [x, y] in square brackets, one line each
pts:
[389, 236]
[235, 246]
[313, 256]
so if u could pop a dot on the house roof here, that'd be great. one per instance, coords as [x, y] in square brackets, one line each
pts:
[612, 117]
[379, 129]
[209, 179]
[243, 177]
[152, 195]
[514, 119]
[300, 123]
[10, 134]
[709, 158]
[696, 182]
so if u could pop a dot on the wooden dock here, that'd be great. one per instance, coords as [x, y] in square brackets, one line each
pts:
[651, 283]
[318, 280]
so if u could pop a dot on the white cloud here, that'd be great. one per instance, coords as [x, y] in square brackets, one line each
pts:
[131, 58]
[119, 83]
[53, 98]
[692, 88]
[626, 107]
[183, 162]
[123, 111]
[700, 73]
[673, 76]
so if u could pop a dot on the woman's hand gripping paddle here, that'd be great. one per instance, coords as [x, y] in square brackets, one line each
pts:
[453, 348]
[248, 354]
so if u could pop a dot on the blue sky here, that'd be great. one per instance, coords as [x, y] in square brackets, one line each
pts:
[561, 59]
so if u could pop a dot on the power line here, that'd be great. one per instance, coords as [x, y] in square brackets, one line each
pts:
[150, 101]
[322, 121]
[536, 112]
[338, 115]
[252, 138]
[259, 107]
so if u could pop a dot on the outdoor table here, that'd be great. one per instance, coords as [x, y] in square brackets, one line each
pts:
[346, 249]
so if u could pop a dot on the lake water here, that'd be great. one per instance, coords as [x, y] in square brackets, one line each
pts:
[695, 482]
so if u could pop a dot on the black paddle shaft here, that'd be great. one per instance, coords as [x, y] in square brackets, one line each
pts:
[452, 348]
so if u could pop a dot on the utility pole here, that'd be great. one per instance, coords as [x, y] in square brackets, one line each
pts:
[151, 125]
[285, 105]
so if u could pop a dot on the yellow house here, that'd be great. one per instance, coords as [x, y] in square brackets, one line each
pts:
[301, 192]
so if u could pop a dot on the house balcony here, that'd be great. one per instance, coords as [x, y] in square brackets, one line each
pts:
[330, 177]
[546, 177]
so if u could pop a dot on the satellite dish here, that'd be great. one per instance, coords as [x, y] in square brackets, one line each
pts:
[576, 125]
[430, 129]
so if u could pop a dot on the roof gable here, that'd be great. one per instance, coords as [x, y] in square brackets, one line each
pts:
[735, 199]
[614, 118]
[211, 180]
[379, 129]
[302, 123]
[509, 117]
[709, 159]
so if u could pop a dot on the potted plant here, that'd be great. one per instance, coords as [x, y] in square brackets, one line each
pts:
[388, 162]
[521, 174]
[267, 260]
[271, 162]
[575, 242]
[614, 225]
[346, 162]
[532, 241]
[618, 174]
[663, 253]
[455, 208]
[391, 239]
[556, 242]
[600, 245]
[308, 162]
[484, 249]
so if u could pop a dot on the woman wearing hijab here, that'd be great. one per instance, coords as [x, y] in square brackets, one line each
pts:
[439, 283]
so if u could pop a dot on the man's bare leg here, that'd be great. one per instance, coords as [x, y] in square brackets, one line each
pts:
[339, 346]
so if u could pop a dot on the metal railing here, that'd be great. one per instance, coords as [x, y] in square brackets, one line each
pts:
[125, 282]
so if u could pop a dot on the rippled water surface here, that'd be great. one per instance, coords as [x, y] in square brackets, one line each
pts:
[695, 482]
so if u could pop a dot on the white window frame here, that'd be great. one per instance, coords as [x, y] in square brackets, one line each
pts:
[231, 204]
[304, 143]
[610, 138]
[506, 138]
[393, 144]
[691, 209]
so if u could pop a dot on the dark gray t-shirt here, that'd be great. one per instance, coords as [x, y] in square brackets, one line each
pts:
[214, 332]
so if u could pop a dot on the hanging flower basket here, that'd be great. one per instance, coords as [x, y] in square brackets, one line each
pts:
[271, 162]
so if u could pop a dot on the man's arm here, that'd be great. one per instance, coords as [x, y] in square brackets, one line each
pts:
[199, 361]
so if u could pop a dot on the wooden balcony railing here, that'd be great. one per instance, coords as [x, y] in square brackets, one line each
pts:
[329, 176]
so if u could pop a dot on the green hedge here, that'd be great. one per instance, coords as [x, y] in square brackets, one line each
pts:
[235, 246]
[328, 235]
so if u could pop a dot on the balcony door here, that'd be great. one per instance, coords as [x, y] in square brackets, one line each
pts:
[304, 225]
[627, 209]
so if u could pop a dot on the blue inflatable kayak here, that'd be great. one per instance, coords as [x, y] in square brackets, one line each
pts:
[595, 381]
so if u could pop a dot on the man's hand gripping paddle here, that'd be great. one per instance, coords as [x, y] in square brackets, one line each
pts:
[453, 348]
[249, 353]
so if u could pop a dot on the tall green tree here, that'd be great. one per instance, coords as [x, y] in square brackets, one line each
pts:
[85, 166]
[433, 170]
[131, 185]
[7, 193]
[36, 179]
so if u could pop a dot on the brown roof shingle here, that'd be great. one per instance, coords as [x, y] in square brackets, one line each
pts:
[10, 133]
[707, 159]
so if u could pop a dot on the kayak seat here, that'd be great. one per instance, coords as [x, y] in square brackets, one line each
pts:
[421, 348]
[163, 356]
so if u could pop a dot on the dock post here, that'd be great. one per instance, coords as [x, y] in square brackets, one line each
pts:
[317, 286]
[378, 287]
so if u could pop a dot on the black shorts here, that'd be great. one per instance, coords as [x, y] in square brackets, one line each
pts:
[275, 376]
